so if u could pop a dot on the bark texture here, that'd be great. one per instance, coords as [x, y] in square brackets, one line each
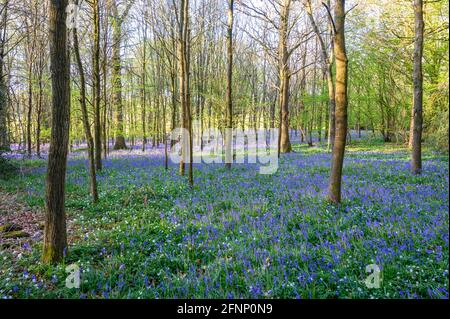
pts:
[417, 117]
[117, 78]
[334, 188]
[55, 236]
[229, 111]
[283, 55]
[4, 143]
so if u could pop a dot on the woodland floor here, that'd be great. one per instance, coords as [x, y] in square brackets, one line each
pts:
[239, 233]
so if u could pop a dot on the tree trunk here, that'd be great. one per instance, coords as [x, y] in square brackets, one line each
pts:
[96, 86]
[104, 127]
[117, 78]
[183, 35]
[327, 62]
[229, 98]
[87, 129]
[4, 143]
[55, 236]
[39, 112]
[416, 160]
[334, 189]
[285, 143]
[30, 109]
[143, 88]
[188, 95]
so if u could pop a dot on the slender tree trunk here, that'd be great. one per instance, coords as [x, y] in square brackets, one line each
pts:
[411, 128]
[332, 107]
[229, 98]
[117, 79]
[327, 62]
[188, 96]
[104, 122]
[334, 189]
[97, 86]
[182, 43]
[285, 143]
[87, 129]
[39, 112]
[30, 109]
[4, 141]
[55, 235]
[174, 102]
[416, 160]
[143, 88]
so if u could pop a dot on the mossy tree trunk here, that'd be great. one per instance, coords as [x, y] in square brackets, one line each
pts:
[55, 236]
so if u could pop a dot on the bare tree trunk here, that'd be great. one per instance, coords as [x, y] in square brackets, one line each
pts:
[30, 108]
[87, 129]
[188, 95]
[143, 88]
[39, 110]
[173, 101]
[104, 136]
[4, 141]
[117, 78]
[332, 107]
[411, 128]
[96, 86]
[55, 235]
[285, 143]
[183, 64]
[416, 160]
[334, 189]
[182, 79]
[229, 111]
[327, 62]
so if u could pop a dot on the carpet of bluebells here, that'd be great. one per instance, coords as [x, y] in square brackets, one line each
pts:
[240, 234]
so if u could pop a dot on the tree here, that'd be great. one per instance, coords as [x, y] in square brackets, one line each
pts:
[85, 116]
[4, 143]
[417, 119]
[144, 25]
[327, 64]
[31, 20]
[55, 235]
[183, 73]
[284, 24]
[284, 76]
[334, 188]
[118, 20]
[96, 87]
[229, 111]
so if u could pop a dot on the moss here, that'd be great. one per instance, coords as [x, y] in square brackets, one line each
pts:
[51, 254]
[16, 234]
[6, 228]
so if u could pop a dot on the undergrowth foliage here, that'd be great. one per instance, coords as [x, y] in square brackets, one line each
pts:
[7, 167]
